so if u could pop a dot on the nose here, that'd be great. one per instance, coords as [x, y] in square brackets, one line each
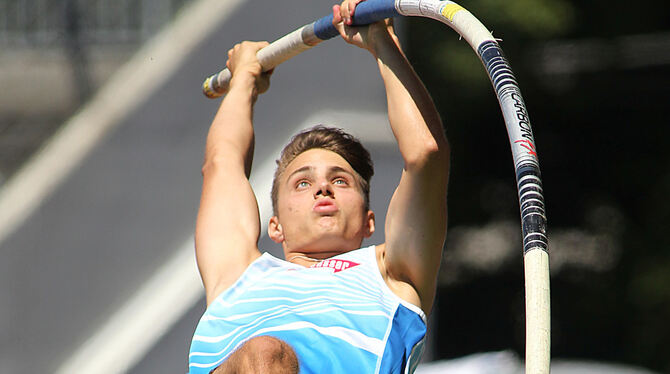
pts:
[324, 189]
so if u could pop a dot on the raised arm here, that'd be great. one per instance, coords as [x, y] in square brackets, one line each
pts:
[228, 224]
[416, 220]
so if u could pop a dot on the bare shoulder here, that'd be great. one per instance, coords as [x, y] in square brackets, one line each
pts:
[400, 288]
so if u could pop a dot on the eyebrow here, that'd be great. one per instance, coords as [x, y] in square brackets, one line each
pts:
[300, 170]
[338, 169]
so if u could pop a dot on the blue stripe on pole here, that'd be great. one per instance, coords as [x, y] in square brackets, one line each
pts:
[324, 29]
[531, 202]
[496, 64]
[366, 12]
[371, 11]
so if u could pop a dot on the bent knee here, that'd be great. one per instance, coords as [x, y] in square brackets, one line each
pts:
[271, 354]
[262, 355]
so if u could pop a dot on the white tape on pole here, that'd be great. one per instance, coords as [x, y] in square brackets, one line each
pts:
[538, 320]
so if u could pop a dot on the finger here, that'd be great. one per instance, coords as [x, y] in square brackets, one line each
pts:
[263, 85]
[251, 48]
[337, 19]
[350, 13]
[337, 16]
[345, 12]
[351, 33]
[352, 9]
[345, 31]
[263, 81]
[257, 45]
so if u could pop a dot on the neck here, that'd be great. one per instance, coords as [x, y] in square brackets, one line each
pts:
[303, 260]
[308, 259]
[311, 254]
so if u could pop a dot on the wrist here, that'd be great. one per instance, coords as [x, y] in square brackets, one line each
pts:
[242, 81]
[243, 87]
[381, 42]
[244, 84]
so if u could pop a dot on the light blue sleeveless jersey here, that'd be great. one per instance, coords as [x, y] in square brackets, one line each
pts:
[338, 315]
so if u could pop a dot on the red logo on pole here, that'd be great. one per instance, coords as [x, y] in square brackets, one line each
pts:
[528, 145]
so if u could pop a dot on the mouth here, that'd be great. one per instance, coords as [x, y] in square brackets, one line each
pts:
[325, 206]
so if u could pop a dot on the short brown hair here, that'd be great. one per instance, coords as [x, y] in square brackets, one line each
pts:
[331, 139]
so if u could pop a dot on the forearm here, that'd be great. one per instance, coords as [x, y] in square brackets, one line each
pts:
[416, 218]
[414, 119]
[231, 135]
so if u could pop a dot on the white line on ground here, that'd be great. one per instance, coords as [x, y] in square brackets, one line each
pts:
[127, 89]
[136, 327]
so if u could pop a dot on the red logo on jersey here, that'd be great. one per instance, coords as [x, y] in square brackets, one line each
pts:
[337, 265]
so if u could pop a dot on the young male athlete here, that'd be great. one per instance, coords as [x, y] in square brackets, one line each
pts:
[331, 307]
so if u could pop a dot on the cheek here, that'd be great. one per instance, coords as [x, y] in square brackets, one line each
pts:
[292, 204]
[356, 202]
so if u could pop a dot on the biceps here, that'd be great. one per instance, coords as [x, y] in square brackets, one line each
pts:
[228, 208]
[227, 229]
[416, 225]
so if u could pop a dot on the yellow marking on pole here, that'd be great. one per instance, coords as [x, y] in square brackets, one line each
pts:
[450, 10]
[207, 87]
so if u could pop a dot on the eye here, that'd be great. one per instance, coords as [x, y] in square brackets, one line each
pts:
[340, 181]
[302, 184]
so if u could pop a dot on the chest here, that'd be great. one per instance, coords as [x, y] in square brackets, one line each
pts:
[330, 284]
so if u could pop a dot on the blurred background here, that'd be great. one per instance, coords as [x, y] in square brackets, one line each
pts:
[102, 131]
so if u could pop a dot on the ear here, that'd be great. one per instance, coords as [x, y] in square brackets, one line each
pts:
[370, 223]
[275, 231]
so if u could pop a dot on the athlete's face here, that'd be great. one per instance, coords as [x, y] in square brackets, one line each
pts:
[320, 206]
